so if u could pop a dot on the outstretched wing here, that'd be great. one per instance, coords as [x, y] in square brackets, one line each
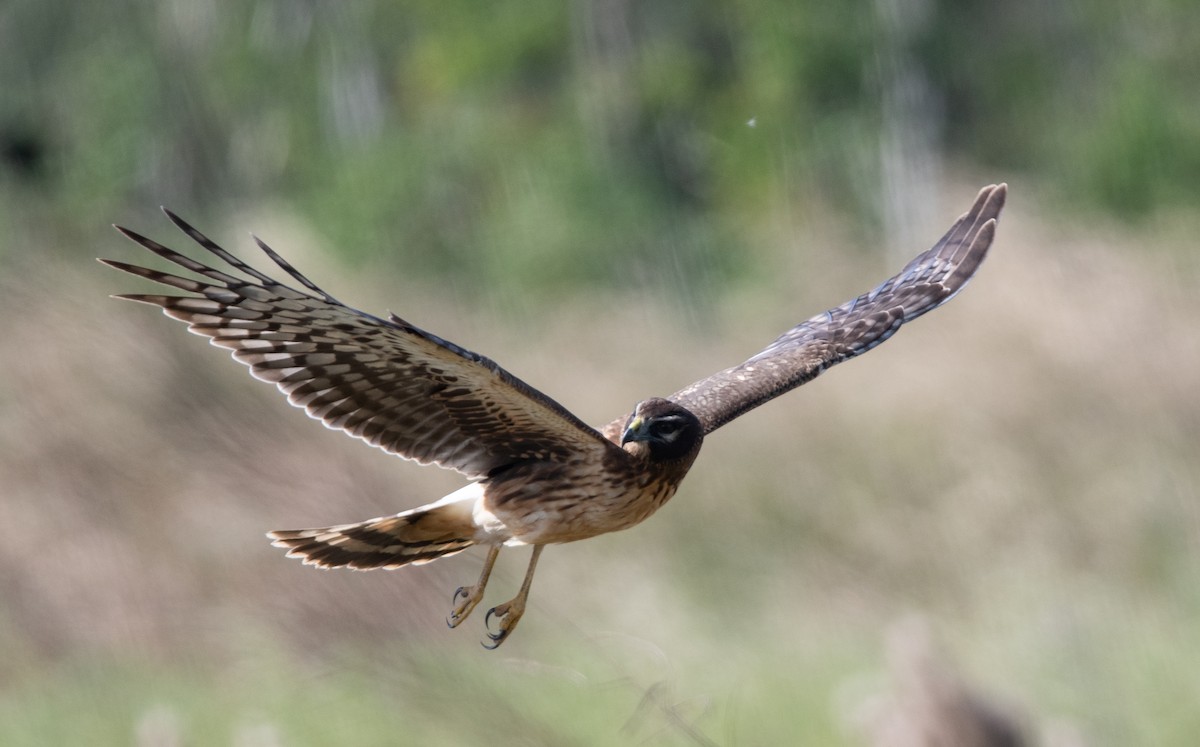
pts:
[385, 381]
[853, 328]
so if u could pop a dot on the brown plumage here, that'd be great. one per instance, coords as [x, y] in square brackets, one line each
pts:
[539, 475]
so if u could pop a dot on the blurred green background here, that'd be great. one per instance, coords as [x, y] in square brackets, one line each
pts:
[612, 199]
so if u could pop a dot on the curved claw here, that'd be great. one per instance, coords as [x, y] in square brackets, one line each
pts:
[453, 620]
[509, 614]
[498, 637]
[465, 598]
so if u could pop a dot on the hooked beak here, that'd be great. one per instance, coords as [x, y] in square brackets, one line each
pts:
[635, 431]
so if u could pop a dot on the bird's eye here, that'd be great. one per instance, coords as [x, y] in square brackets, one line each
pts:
[666, 429]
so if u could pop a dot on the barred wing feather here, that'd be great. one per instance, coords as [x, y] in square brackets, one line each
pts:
[803, 352]
[384, 381]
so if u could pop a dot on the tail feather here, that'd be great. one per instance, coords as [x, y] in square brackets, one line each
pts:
[412, 537]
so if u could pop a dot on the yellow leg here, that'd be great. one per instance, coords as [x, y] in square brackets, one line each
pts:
[466, 597]
[509, 613]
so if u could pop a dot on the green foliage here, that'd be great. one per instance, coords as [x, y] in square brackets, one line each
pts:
[561, 141]
[1094, 98]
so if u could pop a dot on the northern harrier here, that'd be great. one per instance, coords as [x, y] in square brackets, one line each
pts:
[539, 475]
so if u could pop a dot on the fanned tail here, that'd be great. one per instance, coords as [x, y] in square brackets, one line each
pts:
[412, 537]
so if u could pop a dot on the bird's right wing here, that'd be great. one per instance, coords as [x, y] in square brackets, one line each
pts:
[384, 381]
[804, 351]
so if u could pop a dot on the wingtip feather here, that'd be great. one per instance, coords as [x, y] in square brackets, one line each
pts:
[117, 264]
[997, 198]
[131, 234]
[181, 224]
[148, 299]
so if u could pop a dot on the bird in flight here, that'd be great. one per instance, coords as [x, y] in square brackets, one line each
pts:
[538, 474]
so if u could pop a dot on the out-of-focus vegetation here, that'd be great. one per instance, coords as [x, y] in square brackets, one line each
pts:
[612, 199]
[553, 144]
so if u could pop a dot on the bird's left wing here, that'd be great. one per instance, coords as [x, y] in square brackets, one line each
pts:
[804, 351]
[384, 381]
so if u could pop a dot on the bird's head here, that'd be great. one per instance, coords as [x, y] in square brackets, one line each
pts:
[664, 429]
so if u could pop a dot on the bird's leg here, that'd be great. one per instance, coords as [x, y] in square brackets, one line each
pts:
[509, 613]
[466, 597]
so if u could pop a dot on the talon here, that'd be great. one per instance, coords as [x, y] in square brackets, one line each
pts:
[498, 637]
[465, 598]
[505, 622]
[496, 641]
